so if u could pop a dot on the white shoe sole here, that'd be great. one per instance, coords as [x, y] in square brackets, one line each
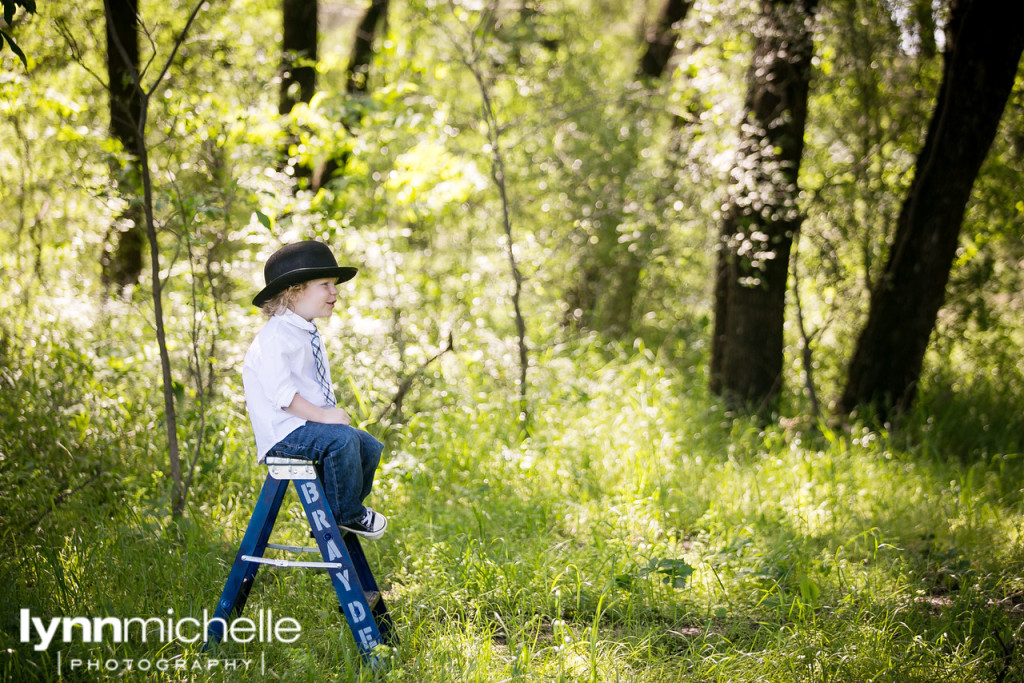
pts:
[368, 535]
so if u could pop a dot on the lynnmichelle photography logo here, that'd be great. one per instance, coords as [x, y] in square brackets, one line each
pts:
[44, 634]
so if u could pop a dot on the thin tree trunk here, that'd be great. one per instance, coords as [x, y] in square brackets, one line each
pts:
[123, 254]
[141, 150]
[762, 215]
[984, 49]
[807, 354]
[469, 59]
[170, 414]
[498, 174]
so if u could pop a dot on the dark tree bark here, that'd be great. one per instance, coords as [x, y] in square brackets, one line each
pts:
[984, 46]
[661, 38]
[299, 53]
[362, 46]
[122, 259]
[762, 216]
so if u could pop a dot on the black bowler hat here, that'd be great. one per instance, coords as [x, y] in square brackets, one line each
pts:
[300, 262]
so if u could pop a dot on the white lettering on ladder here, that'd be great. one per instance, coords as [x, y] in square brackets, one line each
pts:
[367, 639]
[332, 551]
[356, 611]
[343, 577]
[320, 519]
[309, 492]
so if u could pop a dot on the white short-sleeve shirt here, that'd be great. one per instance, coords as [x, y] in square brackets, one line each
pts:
[278, 365]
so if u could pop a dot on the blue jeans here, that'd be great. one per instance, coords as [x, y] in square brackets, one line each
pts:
[347, 459]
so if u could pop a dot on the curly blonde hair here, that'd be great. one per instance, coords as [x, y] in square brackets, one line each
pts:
[282, 300]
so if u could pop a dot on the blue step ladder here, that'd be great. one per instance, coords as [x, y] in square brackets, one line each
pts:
[359, 597]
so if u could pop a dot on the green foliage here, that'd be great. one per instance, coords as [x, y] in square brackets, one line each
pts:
[641, 531]
[637, 533]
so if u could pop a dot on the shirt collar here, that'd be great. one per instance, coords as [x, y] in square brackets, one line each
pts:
[293, 318]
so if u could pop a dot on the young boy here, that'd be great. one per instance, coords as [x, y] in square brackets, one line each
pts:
[288, 390]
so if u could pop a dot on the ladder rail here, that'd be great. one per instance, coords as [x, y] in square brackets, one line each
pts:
[348, 581]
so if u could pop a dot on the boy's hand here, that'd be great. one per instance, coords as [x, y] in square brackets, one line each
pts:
[335, 416]
[307, 411]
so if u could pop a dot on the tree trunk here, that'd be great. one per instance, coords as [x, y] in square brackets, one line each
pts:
[123, 255]
[661, 39]
[362, 46]
[762, 215]
[984, 46]
[299, 53]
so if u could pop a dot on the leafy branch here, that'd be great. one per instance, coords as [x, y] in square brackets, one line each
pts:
[10, 8]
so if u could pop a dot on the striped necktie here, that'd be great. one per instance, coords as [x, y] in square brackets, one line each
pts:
[321, 367]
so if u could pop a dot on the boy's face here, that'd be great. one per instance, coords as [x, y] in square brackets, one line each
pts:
[316, 300]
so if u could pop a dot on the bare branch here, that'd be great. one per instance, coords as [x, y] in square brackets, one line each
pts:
[177, 45]
[60, 499]
[395, 407]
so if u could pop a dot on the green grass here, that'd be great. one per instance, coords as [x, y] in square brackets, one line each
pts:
[638, 534]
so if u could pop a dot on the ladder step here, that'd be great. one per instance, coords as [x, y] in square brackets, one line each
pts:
[293, 548]
[293, 563]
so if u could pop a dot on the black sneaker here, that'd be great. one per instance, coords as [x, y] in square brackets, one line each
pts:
[371, 526]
